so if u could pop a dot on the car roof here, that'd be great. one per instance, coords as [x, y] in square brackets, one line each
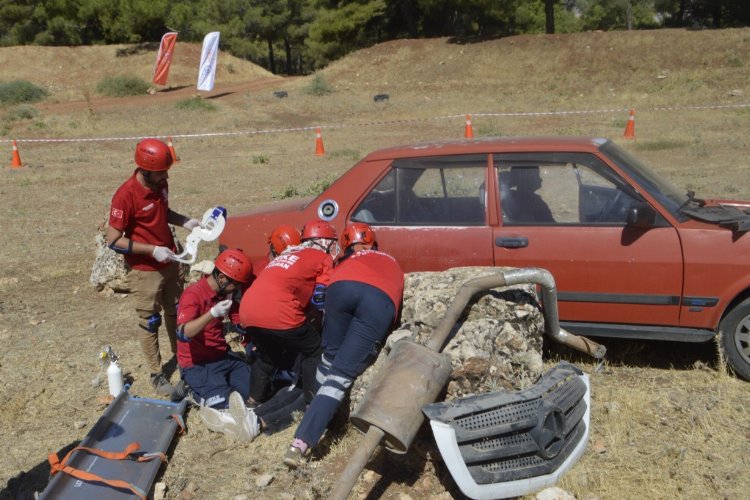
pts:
[490, 144]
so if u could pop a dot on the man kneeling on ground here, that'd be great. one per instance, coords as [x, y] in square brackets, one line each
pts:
[207, 364]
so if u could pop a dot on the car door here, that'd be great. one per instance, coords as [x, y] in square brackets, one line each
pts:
[431, 213]
[605, 270]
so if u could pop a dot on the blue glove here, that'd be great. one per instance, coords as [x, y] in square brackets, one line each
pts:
[318, 299]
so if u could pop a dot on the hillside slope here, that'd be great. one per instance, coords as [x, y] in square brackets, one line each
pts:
[594, 67]
[72, 73]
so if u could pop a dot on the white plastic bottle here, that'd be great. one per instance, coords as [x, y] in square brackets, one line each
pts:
[114, 378]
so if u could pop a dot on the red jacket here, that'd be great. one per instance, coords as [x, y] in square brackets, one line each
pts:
[209, 345]
[279, 295]
[374, 268]
[141, 215]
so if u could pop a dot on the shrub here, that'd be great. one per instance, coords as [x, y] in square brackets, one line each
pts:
[289, 192]
[20, 91]
[260, 159]
[121, 86]
[319, 86]
[319, 186]
[195, 104]
[21, 113]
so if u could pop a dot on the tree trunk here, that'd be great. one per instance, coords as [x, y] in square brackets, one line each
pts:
[288, 49]
[271, 61]
[408, 16]
[549, 15]
[681, 13]
[629, 14]
[716, 14]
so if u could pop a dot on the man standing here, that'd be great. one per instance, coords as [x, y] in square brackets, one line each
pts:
[139, 229]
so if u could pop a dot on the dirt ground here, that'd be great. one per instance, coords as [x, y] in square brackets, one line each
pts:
[667, 421]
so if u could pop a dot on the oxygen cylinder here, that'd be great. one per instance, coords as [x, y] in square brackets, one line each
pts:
[114, 378]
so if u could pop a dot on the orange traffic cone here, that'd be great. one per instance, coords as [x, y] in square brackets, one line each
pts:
[319, 149]
[15, 158]
[170, 145]
[630, 127]
[468, 132]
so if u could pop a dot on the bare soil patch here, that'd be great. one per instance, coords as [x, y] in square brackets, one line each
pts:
[667, 422]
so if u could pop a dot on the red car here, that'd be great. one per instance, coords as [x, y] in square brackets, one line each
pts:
[632, 255]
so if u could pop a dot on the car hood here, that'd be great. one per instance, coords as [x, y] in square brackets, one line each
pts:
[734, 215]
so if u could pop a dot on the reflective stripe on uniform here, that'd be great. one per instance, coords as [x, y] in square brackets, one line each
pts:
[331, 392]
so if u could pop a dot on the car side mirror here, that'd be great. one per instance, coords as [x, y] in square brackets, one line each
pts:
[641, 215]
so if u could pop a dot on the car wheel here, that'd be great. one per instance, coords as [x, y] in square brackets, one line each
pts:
[735, 338]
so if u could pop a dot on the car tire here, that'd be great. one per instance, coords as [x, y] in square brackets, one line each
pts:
[734, 330]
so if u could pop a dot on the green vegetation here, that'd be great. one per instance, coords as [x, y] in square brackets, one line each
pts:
[23, 112]
[288, 192]
[299, 36]
[260, 159]
[659, 145]
[121, 86]
[314, 189]
[20, 91]
[348, 154]
[320, 185]
[488, 129]
[318, 86]
[195, 104]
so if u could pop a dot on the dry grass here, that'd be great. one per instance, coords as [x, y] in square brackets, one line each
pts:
[666, 422]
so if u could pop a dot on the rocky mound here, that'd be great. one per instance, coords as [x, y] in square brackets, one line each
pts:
[496, 345]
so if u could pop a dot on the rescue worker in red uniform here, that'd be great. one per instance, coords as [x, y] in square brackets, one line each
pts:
[273, 309]
[362, 303]
[206, 362]
[139, 221]
[203, 355]
[281, 238]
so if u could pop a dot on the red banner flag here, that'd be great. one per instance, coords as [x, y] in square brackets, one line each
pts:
[164, 58]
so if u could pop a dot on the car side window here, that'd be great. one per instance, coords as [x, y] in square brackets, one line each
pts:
[429, 191]
[553, 189]
[379, 207]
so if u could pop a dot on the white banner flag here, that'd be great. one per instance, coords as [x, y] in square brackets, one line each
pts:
[207, 70]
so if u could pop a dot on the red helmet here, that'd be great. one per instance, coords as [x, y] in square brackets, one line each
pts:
[153, 155]
[282, 237]
[357, 232]
[235, 265]
[318, 229]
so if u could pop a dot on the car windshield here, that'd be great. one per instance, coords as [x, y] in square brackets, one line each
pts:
[657, 186]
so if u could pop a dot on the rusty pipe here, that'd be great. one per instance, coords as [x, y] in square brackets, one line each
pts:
[510, 277]
[398, 423]
[356, 463]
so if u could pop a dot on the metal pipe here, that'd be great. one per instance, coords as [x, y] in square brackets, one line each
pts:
[551, 316]
[510, 277]
[374, 409]
[356, 463]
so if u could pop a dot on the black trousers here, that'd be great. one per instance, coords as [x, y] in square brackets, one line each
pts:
[278, 412]
[303, 341]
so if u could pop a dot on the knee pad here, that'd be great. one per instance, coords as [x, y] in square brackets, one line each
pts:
[152, 324]
[180, 333]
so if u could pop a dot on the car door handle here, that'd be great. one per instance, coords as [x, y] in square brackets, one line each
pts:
[518, 242]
